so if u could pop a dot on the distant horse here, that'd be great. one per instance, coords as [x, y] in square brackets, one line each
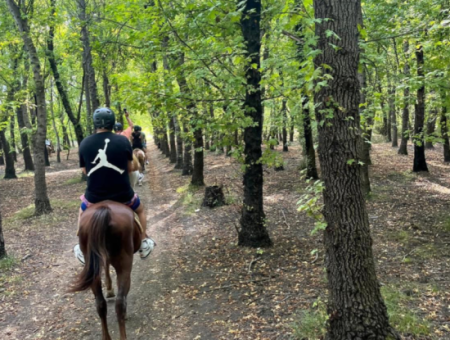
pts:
[134, 174]
[141, 157]
[109, 235]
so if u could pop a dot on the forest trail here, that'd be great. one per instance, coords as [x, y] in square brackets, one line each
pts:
[154, 302]
[198, 284]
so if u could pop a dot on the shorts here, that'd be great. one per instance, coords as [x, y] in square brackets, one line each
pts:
[133, 204]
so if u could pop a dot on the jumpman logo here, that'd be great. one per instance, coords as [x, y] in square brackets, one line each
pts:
[104, 161]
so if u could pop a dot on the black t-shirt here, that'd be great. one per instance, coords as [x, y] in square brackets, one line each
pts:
[137, 140]
[105, 157]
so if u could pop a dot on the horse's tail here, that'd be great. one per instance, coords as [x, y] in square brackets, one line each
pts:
[96, 252]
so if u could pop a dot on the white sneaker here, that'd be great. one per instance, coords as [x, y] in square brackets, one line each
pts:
[78, 254]
[146, 162]
[147, 246]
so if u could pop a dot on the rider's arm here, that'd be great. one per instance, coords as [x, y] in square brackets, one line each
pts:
[127, 115]
[84, 171]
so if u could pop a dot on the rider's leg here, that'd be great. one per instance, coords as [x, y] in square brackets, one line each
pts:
[140, 211]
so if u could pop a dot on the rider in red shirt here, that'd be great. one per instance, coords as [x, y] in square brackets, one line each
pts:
[118, 127]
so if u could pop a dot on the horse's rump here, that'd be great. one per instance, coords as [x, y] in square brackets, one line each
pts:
[136, 163]
[140, 155]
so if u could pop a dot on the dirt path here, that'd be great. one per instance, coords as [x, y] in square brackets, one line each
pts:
[155, 302]
[198, 284]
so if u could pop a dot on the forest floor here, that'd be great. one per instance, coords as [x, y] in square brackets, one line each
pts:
[198, 284]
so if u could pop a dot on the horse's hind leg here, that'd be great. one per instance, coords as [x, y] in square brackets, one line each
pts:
[100, 302]
[109, 288]
[123, 287]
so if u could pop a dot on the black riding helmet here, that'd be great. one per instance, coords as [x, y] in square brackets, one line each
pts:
[137, 128]
[104, 118]
[118, 127]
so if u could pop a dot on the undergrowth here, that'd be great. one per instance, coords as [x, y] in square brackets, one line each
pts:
[311, 324]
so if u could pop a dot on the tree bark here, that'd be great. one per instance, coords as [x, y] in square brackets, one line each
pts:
[87, 57]
[197, 172]
[187, 161]
[12, 127]
[10, 171]
[420, 163]
[355, 306]
[179, 162]
[431, 128]
[3, 253]
[285, 136]
[310, 153]
[58, 142]
[444, 128]
[173, 148]
[393, 116]
[59, 84]
[42, 203]
[403, 150]
[253, 231]
[2, 159]
[106, 89]
[26, 152]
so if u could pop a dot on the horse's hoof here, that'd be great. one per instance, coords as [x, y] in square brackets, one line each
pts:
[110, 294]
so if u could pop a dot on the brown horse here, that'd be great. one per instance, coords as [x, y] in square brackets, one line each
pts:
[108, 234]
[134, 174]
[141, 157]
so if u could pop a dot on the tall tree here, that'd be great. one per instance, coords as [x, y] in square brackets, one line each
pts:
[444, 127]
[403, 150]
[58, 81]
[253, 231]
[42, 203]
[88, 65]
[420, 163]
[356, 308]
[3, 253]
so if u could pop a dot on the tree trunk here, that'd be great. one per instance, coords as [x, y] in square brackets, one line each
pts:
[46, 156]
[173, 148]
[89, 122]
[420, 163]
[393, 116]
[355, 306]
[431, 128]
[285, 136]
[10, 171]
[366, 135]
[444, 129]
[12, 135]
[253, 231]
[197, 173]
[59, 84]
[58, 142]
[310, 153]
[179, 162]
[26, 152]
[87, 57]
[165, 141]
[106, 89]
[403, 150]
[2, 159]
[187, 161]
[3, 253]
[42, 203]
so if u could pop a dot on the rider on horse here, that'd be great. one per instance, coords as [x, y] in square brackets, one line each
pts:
[139, 141]
[106, 158]
[118, 127]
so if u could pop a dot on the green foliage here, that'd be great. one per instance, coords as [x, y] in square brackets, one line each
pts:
[311, 324]
[401, 316]
[7, 263]
[311, 203]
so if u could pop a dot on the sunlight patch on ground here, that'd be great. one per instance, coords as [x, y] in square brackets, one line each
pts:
[433, 187]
